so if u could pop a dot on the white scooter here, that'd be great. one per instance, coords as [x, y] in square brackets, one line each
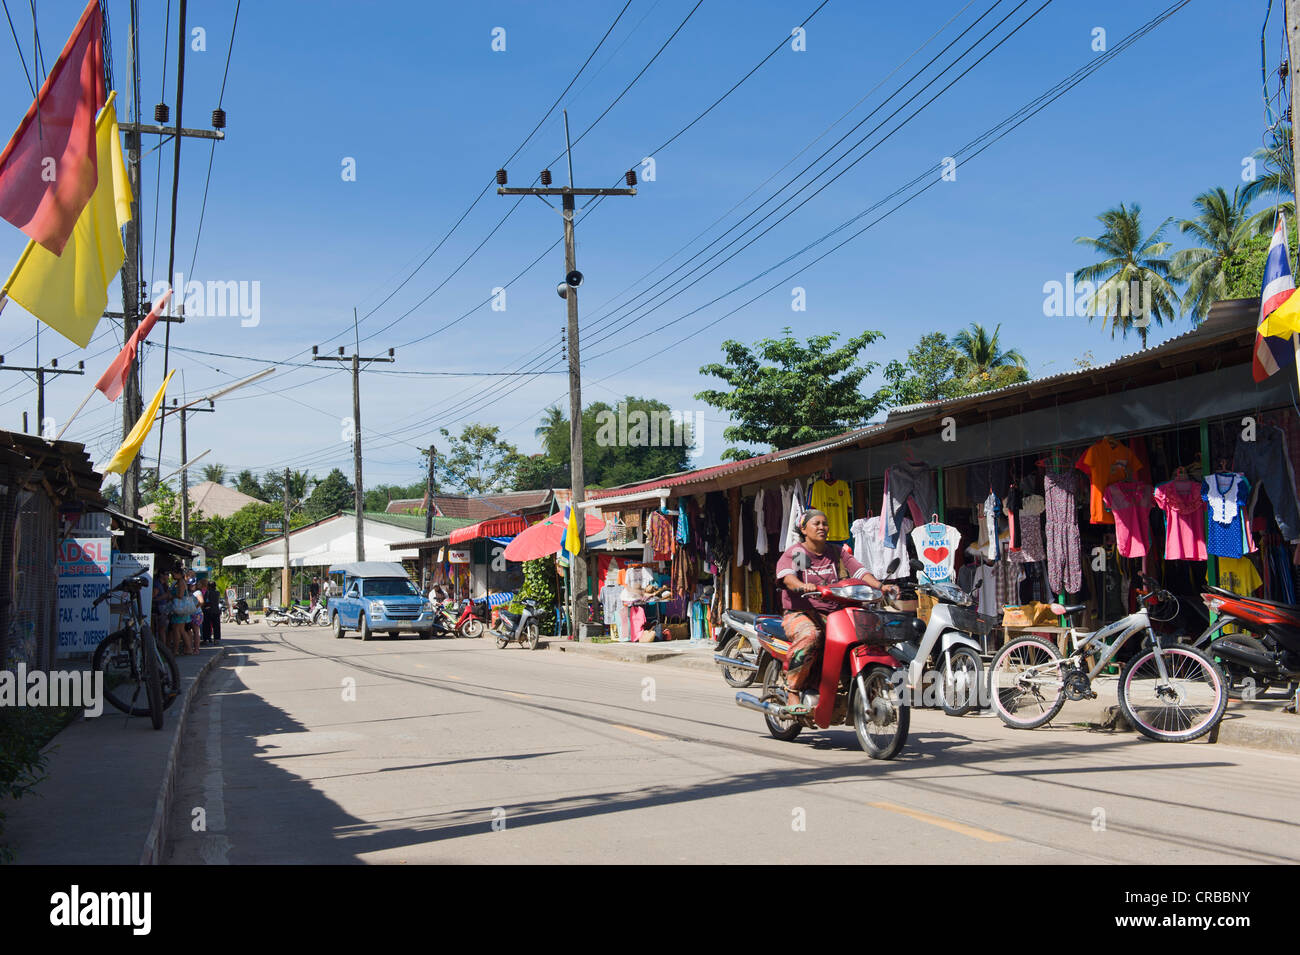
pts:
[950, 645]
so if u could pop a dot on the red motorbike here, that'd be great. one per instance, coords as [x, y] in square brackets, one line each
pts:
[1267, 655]
[474, 618]
[855, 680]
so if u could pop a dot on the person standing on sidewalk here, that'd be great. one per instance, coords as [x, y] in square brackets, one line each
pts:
[211, 603]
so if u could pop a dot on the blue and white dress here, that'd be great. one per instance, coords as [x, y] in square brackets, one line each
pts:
[1226, 493]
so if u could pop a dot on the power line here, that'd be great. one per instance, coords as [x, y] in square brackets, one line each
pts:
[21, 59]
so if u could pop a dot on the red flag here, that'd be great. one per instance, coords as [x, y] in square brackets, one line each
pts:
[113, 380]
[47, 172]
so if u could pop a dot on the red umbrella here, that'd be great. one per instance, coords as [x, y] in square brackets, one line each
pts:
[543, 538]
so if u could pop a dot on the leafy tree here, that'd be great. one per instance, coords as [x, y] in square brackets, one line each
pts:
[1243, 272]
[478, 461]
[784, 392]
[273, 486]
[377, 498]
[551, 421]
[1132, 270]
[216, 473]
[335, 493]
[981, 358]
[929, 374]
[246, 483]
[1277, 184]
[1221, 227]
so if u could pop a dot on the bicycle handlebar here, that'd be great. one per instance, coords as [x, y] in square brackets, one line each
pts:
[133, 584]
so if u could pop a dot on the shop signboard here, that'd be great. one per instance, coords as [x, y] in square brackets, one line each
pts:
[83, 574]
[128, 565]
[458, 556]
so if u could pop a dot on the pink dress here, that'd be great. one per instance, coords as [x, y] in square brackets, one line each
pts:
[1130, 502]
[1184, 519]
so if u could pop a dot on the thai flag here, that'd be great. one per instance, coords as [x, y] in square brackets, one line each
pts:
[1272, 354]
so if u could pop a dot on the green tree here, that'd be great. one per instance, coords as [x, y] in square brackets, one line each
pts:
[1221, 227]
[982, 360]
[1243, 273]
[784, 392]
[246, 483]
[377, 498]
[216, 473]
[478, 461]
[1132, 280]
[331, 495]
[928, 374]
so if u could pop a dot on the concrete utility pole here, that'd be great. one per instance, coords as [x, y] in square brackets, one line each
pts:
[51, 369]
[185, 474]
[428, 512]
[1293, 45]
[355, 360]
[284, 574]
[568, 290]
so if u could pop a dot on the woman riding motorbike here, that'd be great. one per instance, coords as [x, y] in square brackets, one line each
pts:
[802, 569]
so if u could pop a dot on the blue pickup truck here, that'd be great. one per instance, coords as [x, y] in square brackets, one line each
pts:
[378, 596]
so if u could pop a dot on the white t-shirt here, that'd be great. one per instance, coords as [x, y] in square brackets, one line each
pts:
[936, 548]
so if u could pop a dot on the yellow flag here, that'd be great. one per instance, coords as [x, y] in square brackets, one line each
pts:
[69, 292]
[1284, 320]
[572, 536]
[131, 446]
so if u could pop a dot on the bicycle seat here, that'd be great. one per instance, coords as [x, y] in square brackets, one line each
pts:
[1068, 610]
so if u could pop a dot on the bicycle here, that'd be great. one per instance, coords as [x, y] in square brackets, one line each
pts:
[131, 660]
[1170, 693]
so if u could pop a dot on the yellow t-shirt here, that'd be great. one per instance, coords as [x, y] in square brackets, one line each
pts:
[833, 499]
[1239, 575]
[1105, 465]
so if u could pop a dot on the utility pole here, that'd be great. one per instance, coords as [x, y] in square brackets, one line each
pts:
[568, 290]
[284, 574]
[355, 361]
[1293, 45]
[185, 474]
[40, 372]
[428, 512]
[132, 406]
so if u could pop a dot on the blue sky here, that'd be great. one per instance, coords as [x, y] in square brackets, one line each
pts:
[415, 95]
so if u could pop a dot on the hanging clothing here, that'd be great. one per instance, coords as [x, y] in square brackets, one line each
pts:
[772, 508]
[1226, 493]
[906, 484]
[992, 508]
[1000, 587]
[936, 548]
[1239, 575]
[792, 521]
[871, 551]
[660, 536]
[1184, 509]
[832, 498]
[683, 521]
[1105, 463]
[760, 522]
[1064, 573]
[715, 529]
[1011, 507]
[985, 479]
[1266, 461]
[1031, 531]
[1130, 502]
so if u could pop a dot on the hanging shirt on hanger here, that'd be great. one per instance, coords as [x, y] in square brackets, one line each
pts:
[1130, 502]
[796, 511]
[1226, 493]
[833, 499]
[992, 508]
[1184, 509]
[871, 551]
[760, 522]
[1106, 463]
[1265, 460]
[936, 548]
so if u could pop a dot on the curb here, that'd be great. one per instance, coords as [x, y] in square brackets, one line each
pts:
[155, 843]
[623, 654]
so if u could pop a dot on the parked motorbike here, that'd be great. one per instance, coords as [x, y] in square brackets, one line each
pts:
[853, 678]
[241, 611]
[522, 628]
[1267, 655]
[738, 646]
[474, 618]
[278, 615]
[951, 646]
[300, 616]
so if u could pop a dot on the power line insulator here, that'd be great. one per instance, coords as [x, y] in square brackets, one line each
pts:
[1283, 69]
[546, 177]
[501, 177]
[218, 118]
[630, 177]
[162, 113]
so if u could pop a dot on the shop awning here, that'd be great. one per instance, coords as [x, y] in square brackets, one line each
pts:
[495, 527]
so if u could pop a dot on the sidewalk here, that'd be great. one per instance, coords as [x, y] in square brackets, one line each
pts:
[1259, 724]
[108, 786]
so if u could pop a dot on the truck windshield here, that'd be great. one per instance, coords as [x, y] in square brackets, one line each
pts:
[389, 587]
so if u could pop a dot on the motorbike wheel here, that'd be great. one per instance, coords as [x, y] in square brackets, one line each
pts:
[739, 648]
[503, 640]
[962, 681]
[775, 690]
[880, 719]
[363, 628]
[337, 623]
[1025, 683]
[272, 621]
[531, 632]
[473, 627]
[1185, 707]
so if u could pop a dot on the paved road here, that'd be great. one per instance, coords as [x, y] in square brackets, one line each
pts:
[304, 748]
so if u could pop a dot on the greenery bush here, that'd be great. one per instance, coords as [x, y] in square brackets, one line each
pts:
[24, 731]
[540, 584]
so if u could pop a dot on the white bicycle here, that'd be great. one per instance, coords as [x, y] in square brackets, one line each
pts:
[1169, 692]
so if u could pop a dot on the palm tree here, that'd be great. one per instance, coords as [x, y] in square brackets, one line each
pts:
[216, 473]
[979, 356]
[552, 420]
[1277, 184]
[1221, 227]
[1131, 268]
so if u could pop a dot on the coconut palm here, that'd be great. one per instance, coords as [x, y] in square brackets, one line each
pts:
[1222, 227]
[216, 473]
[980, 357]
[1132, 268]
[552, 420]
[1277, 183]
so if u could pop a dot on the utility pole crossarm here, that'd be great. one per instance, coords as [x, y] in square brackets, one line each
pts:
[563, 191]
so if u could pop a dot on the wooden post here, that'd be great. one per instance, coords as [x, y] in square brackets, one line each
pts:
[737, 576]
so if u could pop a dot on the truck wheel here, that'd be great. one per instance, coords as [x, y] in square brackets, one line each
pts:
[337, 624]
[363, 628]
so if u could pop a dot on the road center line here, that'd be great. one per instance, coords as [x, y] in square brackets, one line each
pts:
[981, 834]
[518, 696]
[632, 729]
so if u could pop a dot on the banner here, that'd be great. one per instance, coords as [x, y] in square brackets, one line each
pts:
[128, 565]
[83, 574]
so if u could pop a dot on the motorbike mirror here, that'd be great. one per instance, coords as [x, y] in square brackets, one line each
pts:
[893, 566]
[916, 564]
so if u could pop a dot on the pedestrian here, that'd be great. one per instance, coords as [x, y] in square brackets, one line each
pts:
[179, 614]
[161, 599]
[210, 607]
[315, 592]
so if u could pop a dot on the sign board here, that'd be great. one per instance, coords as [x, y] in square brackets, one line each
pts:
[83, 574]
[200, 561]
[458, 556]
[269, 526]
[124, 566]
[89, 523]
